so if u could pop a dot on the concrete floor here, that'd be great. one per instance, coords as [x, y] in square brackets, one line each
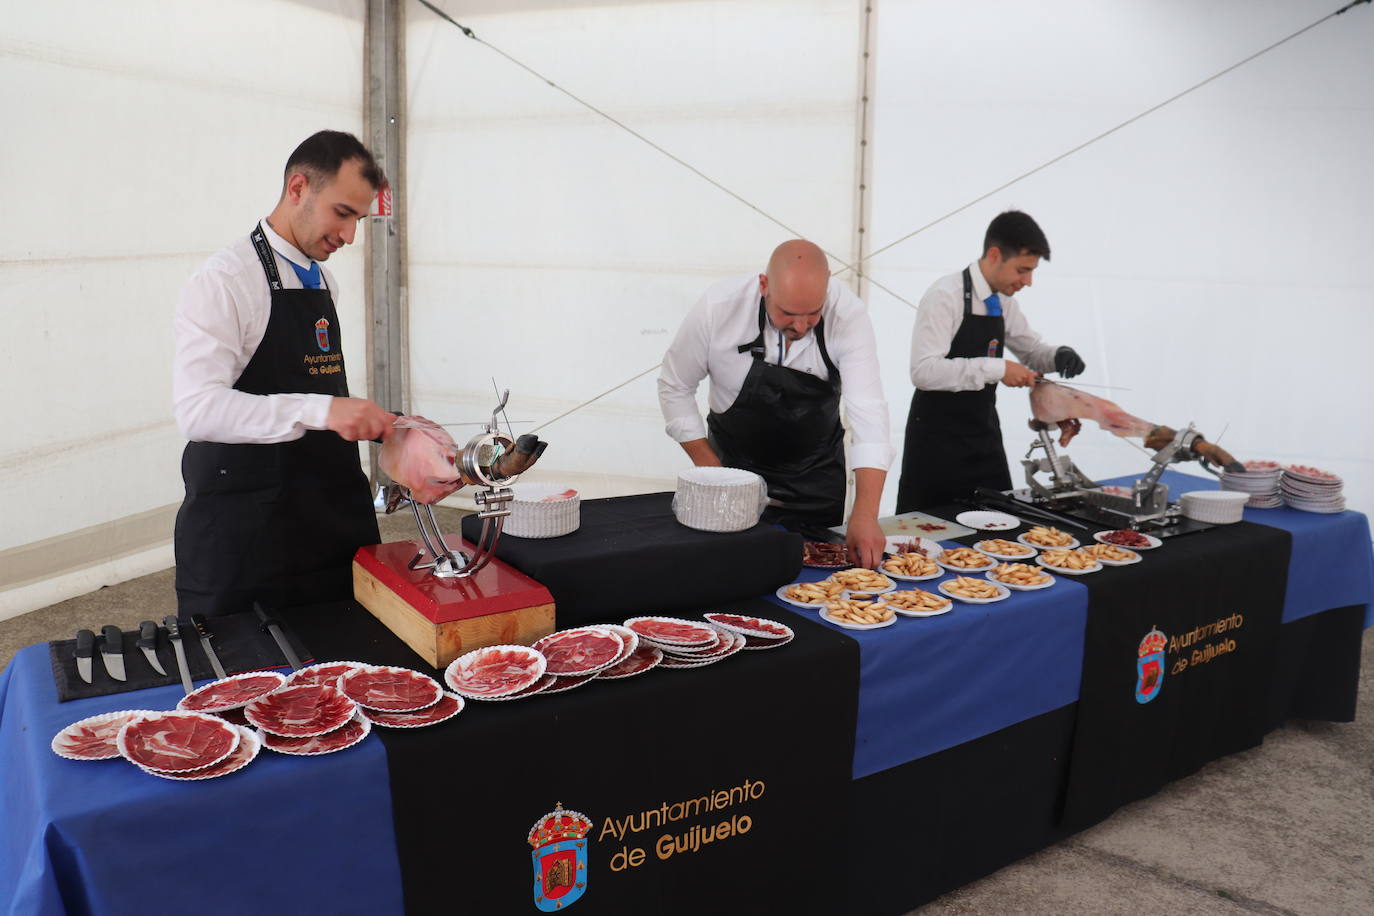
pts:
[1285, 828]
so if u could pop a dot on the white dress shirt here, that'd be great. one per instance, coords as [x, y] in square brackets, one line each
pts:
[937, 321]
[221, 317]
[727, 315]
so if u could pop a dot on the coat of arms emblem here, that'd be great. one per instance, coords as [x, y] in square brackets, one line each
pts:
[1149, 666]
[559, 857]
[322, 334]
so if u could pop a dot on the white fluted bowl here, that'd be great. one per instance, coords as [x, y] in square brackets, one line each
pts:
[719, 499]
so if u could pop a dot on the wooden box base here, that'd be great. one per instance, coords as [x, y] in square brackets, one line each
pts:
[443, 618]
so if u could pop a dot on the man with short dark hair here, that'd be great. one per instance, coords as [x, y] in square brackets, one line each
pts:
[965, 320]
[276, 501]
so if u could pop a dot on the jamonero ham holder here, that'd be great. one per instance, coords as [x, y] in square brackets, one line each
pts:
[449, 597]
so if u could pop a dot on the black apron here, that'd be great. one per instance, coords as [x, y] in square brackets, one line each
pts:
[276, 522]
[953, 438]
[785, 427]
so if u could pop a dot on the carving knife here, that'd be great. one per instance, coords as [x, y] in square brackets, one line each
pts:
[270, 624]
[174, 634]
[112, 651]
[203, 628]
[147, 641]
[85, 645]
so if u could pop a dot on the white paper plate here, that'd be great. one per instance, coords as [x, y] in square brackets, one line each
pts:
[967, 570]
[1106, 562]
[1154, 541]
[750, 625]
[988, 521]
[1007, 556]
[935, 613]
[246, 752]
[1073, 542]
[939, 571]
[894, 542]
[858, 626]
[782, 594]
[1003, 594]
[1065, 570]
[94, 737]
[1018, 588]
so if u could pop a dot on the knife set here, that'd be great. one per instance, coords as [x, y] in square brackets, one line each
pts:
[179, 650]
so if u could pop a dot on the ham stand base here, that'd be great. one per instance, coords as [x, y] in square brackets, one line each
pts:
[443, 618]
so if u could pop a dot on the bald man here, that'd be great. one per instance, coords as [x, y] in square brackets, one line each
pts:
[777, 346]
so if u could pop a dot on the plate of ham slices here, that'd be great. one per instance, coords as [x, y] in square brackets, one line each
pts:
[231, 692]
[495, 671]
[355, 729]
[302, 711]
[247, 751]
[584, 650]
[388, 689]
[177, 742]
[94, 738]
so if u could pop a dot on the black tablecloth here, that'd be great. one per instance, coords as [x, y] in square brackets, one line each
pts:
[631, 556]
[773, 730]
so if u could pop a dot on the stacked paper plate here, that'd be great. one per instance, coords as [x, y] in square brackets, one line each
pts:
[1260, 479]
[1218, 507]
[543, 510]
[719, 499]
[1312, 490]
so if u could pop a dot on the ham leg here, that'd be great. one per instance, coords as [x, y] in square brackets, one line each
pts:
[1051, 403]
[420, 458]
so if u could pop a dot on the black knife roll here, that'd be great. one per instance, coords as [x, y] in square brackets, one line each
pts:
[239, 639]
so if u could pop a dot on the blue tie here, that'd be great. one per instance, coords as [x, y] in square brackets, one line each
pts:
[992, 302]
[310, 279]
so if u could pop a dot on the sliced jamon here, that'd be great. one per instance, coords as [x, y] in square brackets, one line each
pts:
[327, 673]
[672, 630]
[585, 650]
[244, 754]
[545, 681]
[707, 648]
[94, 738]
[231, 692]
[494, 671]
[177, 741]
[390, 689]
[302, 711]
[641, 660]
[629, 637]
[449, 705]
[349, 734]
[750, 626]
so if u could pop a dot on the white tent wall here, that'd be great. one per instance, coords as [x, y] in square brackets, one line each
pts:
[1211, 257]
[141, 137]
[555, 252]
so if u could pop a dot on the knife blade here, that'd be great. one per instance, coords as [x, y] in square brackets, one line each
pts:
[112, 651]
[85, 645]
[147, 641]
[203, 629]
[174, 634]
[270, 624]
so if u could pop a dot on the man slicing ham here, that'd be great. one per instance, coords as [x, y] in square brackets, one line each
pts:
[276, 500]
[964, 323]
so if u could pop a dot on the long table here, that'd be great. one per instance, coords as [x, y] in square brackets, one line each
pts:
[954, 752]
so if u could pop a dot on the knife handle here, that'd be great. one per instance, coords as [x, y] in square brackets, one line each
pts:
[147, 635]
[85, 643]
[114, 639]
[173, 626]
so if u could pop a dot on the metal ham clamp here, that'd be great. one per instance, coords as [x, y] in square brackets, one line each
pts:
[489, 460]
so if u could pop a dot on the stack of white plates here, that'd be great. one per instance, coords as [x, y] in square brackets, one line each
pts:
[1219, 507]
[719, 499]
[1312, 490]
[1260, 479]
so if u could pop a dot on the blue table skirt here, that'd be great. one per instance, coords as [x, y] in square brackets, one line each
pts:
[93, 836]
[930, 683]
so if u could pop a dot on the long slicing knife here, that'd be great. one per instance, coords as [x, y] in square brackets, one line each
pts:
[85, 645]
[203, 628]
[270, 624]
[174, 634]
[112, 651]
[147, 641]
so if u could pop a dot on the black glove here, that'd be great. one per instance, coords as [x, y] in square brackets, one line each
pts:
[1068, 363]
